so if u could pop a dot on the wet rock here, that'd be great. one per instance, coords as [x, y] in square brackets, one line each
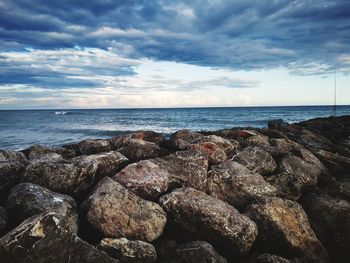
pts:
[284, 229]
[237, 185]
[94, 146]
[37, 150]
[42, 239]
[224, 144]
[136, 150]
[27, 200]
[3, 220]
[256, 160]
[130, 251]
[330, 219]
[108, 164]
[12, 166]
[215, 154]
[185, 135]
[116, 212]
[72, 177]
[151, 178]
[209, 218]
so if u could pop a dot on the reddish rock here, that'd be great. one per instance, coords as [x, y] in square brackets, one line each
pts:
[224, 144]
[215, 153]
[186, 135]
[94, 146]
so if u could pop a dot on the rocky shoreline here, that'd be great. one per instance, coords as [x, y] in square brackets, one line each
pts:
[280, 194]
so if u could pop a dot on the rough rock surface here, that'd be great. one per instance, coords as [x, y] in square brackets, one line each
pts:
[149, 136]
[12, 166]
[224, 144]
[3, 220]
[209, 218]
[27, 200]
[36, 151]
[129, 251]
[116, 212]
[69, 177]
[237, 185]
[42, 239]
[269, 258]
[330, 219]
[215, 154]
[284, 228]
[256, 160]
[94, 146]
[185, 135]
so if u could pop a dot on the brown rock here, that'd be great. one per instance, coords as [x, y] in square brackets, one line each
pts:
[186, 135]
[256, 160]
[257, 140]
[268, 258]
[236, 185]
[210, 219]
[130, 251]
[149, 136]
[116, 212]
[284, 228]
[224, 144]
[215, 153]
[94, 146]
[37, 150]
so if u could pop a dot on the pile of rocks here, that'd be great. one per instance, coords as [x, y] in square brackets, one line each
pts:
[280, 194]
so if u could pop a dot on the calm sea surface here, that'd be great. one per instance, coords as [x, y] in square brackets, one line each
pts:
[20, 129]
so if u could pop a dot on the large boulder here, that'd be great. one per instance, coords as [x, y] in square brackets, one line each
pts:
[72, 177]
[330, 219]
[149, 136]
[284, 229]
[12, 166]
[237, 185]
[27, 200]
[3, 220]
[129, 251]
[210, 218]
[185, 135]
[42, 239]
[151, 178]
[94, 146]
[224, 144]
[256, 160]
[136, 150]
[215, 154]
[269, 258]
[36, 151]
[116, 212]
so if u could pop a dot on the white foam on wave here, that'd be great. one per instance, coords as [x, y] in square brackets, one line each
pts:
[61, 112]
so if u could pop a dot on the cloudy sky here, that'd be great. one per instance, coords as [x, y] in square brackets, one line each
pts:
[168, 53]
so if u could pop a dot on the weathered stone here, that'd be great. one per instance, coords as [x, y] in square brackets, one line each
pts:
[136, 150]
[224, 144]
[42, 239]
[337, 163]
[186, 135]
[129, 251]
[12, 166]
[116, 212]
[94, 146]
[215, 154]
[151, 178]
[37, 150]
[71, 177]
[269, 258]
[237, 185]
[257, 140]
[73, 147]
[149, 136]
[256, 160]
[284, 228]
[330, 219]
[3, 220]
[27, 200]
[209, 218]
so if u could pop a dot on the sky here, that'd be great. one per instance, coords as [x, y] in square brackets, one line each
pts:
[169, 53]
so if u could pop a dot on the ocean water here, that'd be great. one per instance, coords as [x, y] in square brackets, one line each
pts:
[22, 128]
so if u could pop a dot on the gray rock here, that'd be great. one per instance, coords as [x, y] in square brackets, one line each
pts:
[209, 218]
[27, 200]
[3, 220]
[185, 135]
[116, 212]
[269, 258]
[130, 251]
[37, 150]
[94, 146]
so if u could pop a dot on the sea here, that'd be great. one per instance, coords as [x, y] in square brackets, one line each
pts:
[20, 129]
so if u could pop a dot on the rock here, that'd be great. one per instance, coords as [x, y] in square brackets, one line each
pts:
[209, 218]
[72, 177]
[151, 178]
[73, 147]
[215, 153]
[236, 185]
[116, 212]
[94, 146]
[108, 164]
[224, 144]
[338, 164]
[269, 258]
[3, 220]
[149, 136]
[330, 219]
[185, 135]
[129, 251]
[37, 150]
[257, 140]
[12, 166]
[284, 228]
[27, 200]
[41, 239]
[256, 160]
[136, 150]
[198, 252]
